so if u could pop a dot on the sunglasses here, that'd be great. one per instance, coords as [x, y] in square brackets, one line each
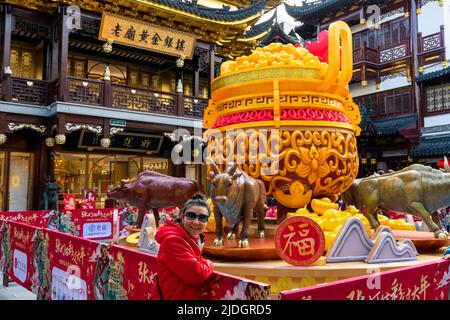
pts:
[192, 216]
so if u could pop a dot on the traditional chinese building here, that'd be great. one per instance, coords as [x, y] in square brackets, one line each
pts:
[92, 90]
[399, 79]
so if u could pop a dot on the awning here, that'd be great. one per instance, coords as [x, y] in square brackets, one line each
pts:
[431, 76]
[395, 124]
[434, 146]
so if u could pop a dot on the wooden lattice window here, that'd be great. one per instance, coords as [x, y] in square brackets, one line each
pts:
[26, 61]
[143, 79]
[438, 97]
[77, 67]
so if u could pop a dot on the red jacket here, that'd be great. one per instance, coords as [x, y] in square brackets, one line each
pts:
[181, 268]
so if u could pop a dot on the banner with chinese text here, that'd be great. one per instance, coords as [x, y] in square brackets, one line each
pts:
[17, 255]
[428, 281]
[37, 218]
[73, 265]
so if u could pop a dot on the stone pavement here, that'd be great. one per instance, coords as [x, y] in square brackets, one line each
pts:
[14, 292]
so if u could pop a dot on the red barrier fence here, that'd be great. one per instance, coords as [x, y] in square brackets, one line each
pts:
[86, 223]
[58, 266]
[428, 281]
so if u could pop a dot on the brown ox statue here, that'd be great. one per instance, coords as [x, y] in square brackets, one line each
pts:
[152, 190]
[236, 196]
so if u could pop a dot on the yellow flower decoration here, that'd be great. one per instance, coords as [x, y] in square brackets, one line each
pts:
[313, 164]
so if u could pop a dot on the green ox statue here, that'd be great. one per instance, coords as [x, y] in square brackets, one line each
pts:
[416, 189]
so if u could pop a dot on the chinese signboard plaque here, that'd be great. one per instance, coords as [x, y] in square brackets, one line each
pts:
[142, 35]
[299, 241]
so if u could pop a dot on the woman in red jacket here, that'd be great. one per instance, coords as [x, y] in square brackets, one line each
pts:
[181, 268]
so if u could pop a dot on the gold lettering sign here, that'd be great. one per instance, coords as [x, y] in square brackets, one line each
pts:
[142, 35]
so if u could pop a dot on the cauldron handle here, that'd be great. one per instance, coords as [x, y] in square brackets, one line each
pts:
[342, 70]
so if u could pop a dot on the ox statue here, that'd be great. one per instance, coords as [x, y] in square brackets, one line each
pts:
[153, 190]
[416, 189]
[236, 196]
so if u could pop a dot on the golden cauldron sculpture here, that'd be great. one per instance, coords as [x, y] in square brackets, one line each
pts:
[288, 119]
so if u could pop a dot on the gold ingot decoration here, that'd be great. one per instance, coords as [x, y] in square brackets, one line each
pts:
[362, 21]
[419, 11]
[420, 69]
[377, 86]
[406, 15]
[277, 100]
[444, 63]
[441, 3]
[364, 83]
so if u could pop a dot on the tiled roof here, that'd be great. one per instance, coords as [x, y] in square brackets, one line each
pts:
[434, 146]
[224, 14]
[277, 34]
[394, 125]
[309, 10]
[433, 75]
[259, 28]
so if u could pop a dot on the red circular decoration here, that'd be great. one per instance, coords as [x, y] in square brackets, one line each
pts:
[299, 241]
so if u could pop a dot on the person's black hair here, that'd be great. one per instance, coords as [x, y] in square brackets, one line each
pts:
[197, 200]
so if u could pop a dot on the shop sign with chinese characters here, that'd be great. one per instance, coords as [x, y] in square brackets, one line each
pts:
[123, 141]
[299, 241]
[142, 35]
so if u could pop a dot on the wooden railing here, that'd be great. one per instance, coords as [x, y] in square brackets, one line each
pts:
[431, 48]
[194, 107]
[30, 91]
[131, 98]
[85, 91]
[394, 52]
[431, 42]
[103, 93]
[365, 54]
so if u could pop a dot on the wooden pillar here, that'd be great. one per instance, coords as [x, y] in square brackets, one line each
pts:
[196, 76]
[43, 168]
[212, 60]
[363, 15]
[180, 90]
[107, 93]
[106, 128]
[63, 52]
[5, 40]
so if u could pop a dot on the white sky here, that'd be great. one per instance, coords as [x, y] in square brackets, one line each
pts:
[281, 12]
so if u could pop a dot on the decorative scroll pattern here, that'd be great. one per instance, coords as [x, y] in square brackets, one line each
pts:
[203, 59]
[431, 42]
[293, 100]
[400, 10]
[32, 92]
[90, 26]
[194, 107]
[285, 114]
[76, 126]
[310, 163]
[394, 53]
[217, 69]
[143, 100]
[85, 91]
[393, 75]
[12, 126]
[424, 2]
[22, 24]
